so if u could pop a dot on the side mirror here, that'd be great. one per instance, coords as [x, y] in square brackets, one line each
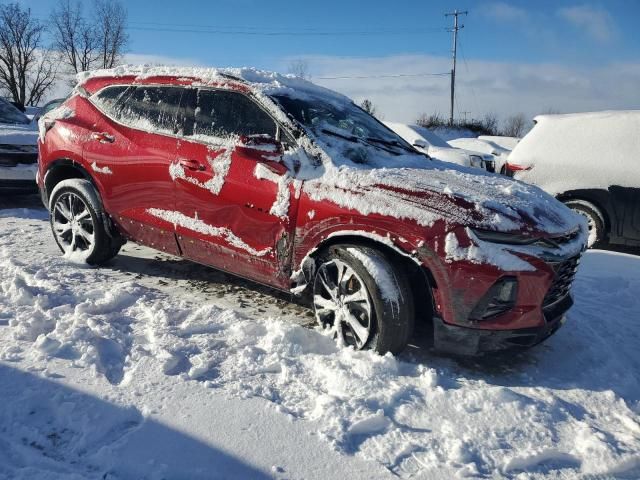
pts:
[421, 144]
[265, 150]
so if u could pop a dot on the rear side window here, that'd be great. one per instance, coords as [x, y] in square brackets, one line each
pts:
[221, 114]
[107, 99]
[152, 108]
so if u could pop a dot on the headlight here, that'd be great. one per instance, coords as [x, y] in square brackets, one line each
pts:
[506, 238]
[476, 161]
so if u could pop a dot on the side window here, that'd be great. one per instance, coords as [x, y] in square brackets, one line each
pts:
[107, 99]
[152, 108]
[220, 114]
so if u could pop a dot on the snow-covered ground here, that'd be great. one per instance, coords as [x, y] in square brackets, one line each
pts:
[155, 368]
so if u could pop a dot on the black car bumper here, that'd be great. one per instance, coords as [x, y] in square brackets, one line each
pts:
[474, 341]
[27, 186]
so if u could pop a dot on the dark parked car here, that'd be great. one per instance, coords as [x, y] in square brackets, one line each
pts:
[18, 150]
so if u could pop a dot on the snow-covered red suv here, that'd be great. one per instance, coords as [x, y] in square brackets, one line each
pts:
[291, 185]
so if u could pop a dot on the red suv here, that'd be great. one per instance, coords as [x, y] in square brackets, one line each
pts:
[291, 185]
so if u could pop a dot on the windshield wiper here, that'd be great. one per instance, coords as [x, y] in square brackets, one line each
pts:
[351, 138]
[392, 143]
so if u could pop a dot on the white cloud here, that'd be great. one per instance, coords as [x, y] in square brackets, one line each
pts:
[482, 87]
[504, 12]
[594, 21]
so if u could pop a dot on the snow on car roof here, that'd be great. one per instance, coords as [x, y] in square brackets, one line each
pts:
[581, 150]
[267, 82]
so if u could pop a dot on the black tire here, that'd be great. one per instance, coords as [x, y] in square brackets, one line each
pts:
[391, 321]
[92, 243]
[595, 219]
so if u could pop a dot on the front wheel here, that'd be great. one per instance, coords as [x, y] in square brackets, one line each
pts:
[363, 299]
[76, 221]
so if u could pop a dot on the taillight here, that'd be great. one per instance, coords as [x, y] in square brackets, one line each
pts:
[512, 168]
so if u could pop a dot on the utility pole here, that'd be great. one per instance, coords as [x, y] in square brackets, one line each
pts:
[454, 52]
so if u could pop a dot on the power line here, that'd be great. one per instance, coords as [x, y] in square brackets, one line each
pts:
[277, 30]
[397, 75]
[282, 33]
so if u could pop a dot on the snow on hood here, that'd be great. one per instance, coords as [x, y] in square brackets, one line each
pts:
[437, 190]
[18, 134]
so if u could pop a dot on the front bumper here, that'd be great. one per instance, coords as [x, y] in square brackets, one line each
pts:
[474, 341]
[20, 177]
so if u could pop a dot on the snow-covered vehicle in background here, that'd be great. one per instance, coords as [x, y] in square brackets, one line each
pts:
[292, 185]
[490, 147]
[46, 108]
[18, 150]
[428, 142]
[591, 162]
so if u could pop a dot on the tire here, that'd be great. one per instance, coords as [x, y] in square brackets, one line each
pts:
[77, 222]
[595, 220]
[360, 284]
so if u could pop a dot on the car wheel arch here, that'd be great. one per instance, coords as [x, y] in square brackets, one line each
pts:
[421, 278]
[64, 169]
[598, 199]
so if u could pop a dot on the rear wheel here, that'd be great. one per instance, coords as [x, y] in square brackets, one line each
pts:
[77, 224]
[595, 220]
[363, 299]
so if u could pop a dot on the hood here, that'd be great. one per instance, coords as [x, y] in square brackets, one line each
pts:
[442, 191]
[18, 134]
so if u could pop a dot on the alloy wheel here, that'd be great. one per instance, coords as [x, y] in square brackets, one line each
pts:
[342, 303]
[73, 224]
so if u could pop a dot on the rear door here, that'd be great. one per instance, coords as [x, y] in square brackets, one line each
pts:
[626, 203]
[130, 149]
[234, 201]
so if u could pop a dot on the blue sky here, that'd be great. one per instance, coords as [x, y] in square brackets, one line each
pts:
[565, 41]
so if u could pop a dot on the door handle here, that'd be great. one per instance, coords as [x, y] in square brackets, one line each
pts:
[191, 164]
[103, 137]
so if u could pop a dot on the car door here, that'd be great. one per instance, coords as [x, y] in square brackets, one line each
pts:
[626, 203]
[234, 196]
[130, 148]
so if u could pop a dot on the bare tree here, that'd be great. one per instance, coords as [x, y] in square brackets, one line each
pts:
[490, 123]
[431, 120]
[368, 106]
[74, 37]
[110, 19]
[515, 125]
[26, 69]
[299, 68]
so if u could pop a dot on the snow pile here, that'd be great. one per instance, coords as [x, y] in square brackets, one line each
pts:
[508, 143]
[449, 133]
[581, 151]
[418, 415]
[482, 146]
[411, 133]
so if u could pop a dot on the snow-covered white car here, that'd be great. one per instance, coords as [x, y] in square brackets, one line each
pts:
[18, 149]
[500, 154]
[426, 141]
[591, 162]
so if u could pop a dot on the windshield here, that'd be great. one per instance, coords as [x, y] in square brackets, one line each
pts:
[342, 119]
[10, 114]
